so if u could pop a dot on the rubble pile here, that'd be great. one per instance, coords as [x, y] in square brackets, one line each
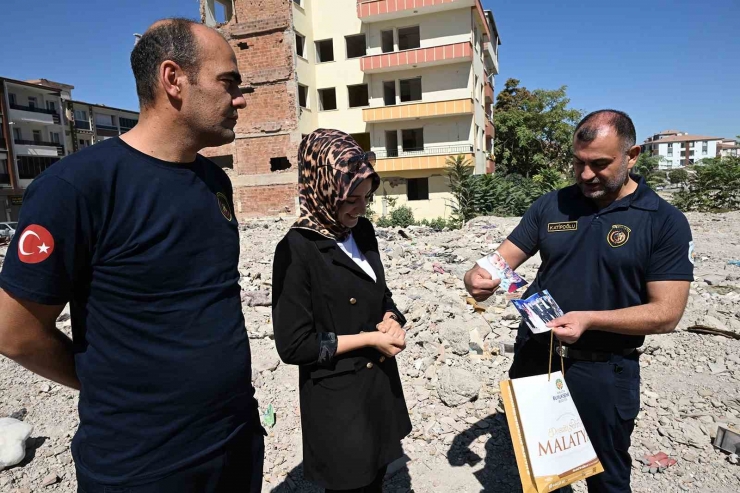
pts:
[451, 370]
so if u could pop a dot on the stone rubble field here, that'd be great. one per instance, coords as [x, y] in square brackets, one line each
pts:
[451, 371]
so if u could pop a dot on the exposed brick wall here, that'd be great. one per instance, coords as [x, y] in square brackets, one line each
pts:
[253, 155]
[262, 36]
[271, 200]
[270, 108]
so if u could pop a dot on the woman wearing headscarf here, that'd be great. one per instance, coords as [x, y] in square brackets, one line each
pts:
[334, 317]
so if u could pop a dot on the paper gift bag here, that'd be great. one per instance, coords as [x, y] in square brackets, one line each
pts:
[551, 445]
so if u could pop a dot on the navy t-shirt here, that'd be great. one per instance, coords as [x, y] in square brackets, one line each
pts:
[602, 259]
[146, 253]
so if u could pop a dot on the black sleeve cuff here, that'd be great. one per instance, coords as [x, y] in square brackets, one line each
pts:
[327, 348]
[398, 314]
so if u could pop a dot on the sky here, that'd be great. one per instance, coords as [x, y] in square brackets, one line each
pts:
[670, 64]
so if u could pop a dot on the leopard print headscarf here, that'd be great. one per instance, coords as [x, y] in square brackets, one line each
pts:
[322, 188]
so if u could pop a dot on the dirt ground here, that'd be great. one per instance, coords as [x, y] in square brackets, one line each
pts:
[690, 382]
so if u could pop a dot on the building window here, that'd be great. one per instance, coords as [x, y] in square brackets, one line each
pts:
[302, 96]
[358, 96]
[80, 115]
[11, 98]
[219, 12]
[32, 102]
[128, 123]
[105, 121]
[356, 46]
[279, 164]
[475, 88]
[386, 41]
[299, 2]
[37, 136]
[391, 143]
[29, 167]
[389, 92]
[704, 147]
[327, 99]
[84, 143]
[411, 89]
[670, 150]
[51, 106]
[417, 188]
[17, 135]
[409, 38]
[55, 138]
[412, 139]
[300, 45]
[325, 51]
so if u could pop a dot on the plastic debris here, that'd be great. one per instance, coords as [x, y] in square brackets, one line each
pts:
[268, 417]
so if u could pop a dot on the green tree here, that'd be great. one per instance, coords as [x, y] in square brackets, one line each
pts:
[534, 129]
[714, 187]
[647, 167]
[462, 187]
[677, 176]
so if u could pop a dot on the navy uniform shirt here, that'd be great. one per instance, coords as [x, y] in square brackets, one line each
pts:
[603, 259]
[146, 253]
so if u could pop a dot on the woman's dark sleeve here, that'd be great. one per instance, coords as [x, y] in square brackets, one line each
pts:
[296, 338]
[388, 304]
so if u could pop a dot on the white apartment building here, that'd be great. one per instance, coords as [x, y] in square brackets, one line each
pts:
[728, 148]
[38, 128]
[31, 137]
[678, 149]
[412, 81]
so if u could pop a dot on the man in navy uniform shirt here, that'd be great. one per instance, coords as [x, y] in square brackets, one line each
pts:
[138, 235]
[618, 260]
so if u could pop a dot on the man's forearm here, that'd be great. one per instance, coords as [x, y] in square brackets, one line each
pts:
[49, 355]
[651, 318]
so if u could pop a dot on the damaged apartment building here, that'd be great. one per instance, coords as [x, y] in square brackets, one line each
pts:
[411, 80]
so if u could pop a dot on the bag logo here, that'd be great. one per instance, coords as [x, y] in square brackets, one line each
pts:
[565, 226]
[559, 384]
[692, 255]
[223, 205]
[35, 244]
[618, 235]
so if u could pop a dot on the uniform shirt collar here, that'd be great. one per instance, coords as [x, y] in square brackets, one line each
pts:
[644, 197]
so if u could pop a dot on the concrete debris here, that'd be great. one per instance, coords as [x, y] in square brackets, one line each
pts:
[451, 368]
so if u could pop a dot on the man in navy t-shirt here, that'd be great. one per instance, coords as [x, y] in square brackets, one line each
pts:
[618, 260]
[138, 235]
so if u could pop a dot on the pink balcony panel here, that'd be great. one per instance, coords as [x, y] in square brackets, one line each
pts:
[421, 57]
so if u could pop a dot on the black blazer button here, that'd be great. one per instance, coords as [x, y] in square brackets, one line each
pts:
[352, 301]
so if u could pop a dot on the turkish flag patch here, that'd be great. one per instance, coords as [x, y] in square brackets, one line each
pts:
[35, 244]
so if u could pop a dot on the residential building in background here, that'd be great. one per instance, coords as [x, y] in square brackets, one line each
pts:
[728, 148]
[412, 81]
[678, 149]
[38, 128]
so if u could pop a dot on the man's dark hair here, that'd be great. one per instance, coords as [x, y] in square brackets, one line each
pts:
[172, 39]
[588, 128]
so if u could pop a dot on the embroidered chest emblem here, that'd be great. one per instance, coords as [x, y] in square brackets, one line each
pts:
[223, 205]
[618, 235]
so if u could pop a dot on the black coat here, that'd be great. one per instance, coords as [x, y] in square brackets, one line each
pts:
[353, 412]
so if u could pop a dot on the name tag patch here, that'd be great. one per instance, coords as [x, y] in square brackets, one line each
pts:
[565, 226]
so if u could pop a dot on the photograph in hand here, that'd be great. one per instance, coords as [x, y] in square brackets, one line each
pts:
[538, 310]
[499, 269]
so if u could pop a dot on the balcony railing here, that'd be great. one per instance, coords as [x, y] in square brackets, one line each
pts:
[82, 124]
[106, 127]
[426, 151]
[38, 143]
[33, 109]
